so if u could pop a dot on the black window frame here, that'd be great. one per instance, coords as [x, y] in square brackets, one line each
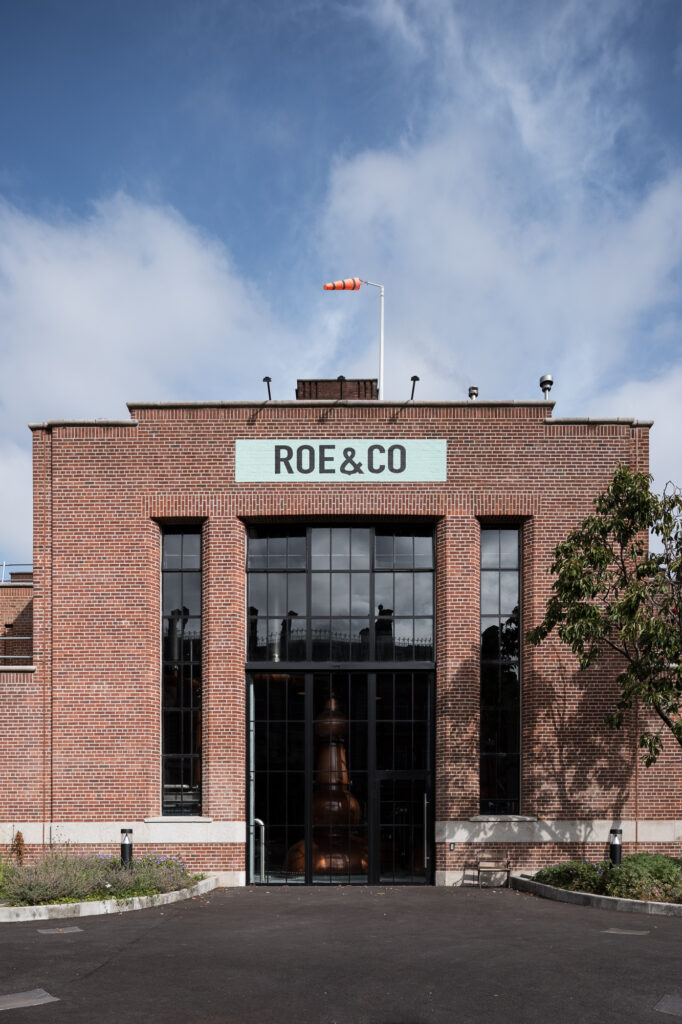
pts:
[498, 666]
[181, 680]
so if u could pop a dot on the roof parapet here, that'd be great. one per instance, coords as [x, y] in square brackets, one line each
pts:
[49, 424]
[598, 421]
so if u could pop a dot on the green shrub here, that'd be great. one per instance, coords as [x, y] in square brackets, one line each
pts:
[576, 875]
[647, 876]
[65, 878]
[641, 876]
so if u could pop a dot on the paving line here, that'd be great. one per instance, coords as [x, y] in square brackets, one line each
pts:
[671, 1005]
[35, 997]
[623, 931]
[59, 931]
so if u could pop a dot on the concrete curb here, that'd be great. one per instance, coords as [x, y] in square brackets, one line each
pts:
[47, 912]
[587, 899]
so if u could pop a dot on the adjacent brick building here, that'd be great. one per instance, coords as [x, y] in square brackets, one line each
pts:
[368, 709]
[16, 618]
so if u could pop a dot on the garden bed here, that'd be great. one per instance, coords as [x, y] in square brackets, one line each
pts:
[651, 877]
[62, 878]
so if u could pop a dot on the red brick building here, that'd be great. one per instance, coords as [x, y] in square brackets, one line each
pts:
[287, 637]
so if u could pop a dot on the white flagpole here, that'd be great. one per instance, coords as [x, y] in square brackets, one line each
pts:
[381, 334]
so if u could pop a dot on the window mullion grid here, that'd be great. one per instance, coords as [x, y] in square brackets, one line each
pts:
[181, 702]
[267, 599]
[332, 619]
[499, 759]
[185, 709]
[372, 597]
[308, 596]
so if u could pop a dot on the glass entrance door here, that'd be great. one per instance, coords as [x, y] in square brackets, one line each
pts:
[340, 777]
[277, 775]
[404, 818]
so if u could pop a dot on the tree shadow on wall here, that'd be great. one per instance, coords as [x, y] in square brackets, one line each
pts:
[574, 766]
[580, 768]
[457, 741]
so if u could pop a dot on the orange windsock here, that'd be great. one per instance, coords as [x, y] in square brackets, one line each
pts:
[350, 284]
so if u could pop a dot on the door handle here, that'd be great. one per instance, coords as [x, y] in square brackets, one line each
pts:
[426, 832]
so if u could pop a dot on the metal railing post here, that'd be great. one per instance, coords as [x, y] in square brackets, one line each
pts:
[261, 825]
[7, 567]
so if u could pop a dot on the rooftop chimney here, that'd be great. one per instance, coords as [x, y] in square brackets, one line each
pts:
[329, 389]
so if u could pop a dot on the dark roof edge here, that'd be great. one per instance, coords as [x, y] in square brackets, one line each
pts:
[597, 420]
[49, 424]
[294, 403]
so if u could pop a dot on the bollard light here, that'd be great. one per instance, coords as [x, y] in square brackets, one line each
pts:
[126, 847]
[616, 846]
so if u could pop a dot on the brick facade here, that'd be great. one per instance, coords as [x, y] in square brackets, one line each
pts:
[83, 755]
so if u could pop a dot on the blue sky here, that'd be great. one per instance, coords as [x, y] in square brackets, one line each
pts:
[178, 179]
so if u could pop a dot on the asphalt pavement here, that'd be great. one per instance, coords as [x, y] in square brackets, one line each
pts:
[347, 955]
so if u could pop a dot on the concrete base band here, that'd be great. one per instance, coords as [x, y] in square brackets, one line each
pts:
[480, 829]
[518, 829]
[164, 831]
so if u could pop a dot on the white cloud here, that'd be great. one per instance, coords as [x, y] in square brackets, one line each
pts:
[657, 399]
[131, 298]
[402, 22]
[16, 490]
[527, 230]
[488, 292]
[520, 227]
[130, 303]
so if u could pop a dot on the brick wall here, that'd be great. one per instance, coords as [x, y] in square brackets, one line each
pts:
[92, 713]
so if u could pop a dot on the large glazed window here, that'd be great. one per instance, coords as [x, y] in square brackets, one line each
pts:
[340, 594]
[339, 776]
[500, 692]
[181, 684]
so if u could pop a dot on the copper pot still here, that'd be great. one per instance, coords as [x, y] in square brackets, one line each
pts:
[335, 850]
[333, 854]
[331, 724]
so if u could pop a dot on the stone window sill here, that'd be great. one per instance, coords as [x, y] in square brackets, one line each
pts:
[503, 817]
[177, 818]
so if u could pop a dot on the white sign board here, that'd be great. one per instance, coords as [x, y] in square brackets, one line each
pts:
[312, 460]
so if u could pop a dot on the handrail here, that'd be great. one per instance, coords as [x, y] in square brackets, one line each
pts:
[261, 825]
[14, 567]
[25, 657]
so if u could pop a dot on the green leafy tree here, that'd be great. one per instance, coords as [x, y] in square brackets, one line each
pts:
[611, 592]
